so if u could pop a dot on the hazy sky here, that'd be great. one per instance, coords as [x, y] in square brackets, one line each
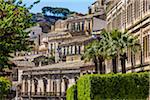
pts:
[75, 5]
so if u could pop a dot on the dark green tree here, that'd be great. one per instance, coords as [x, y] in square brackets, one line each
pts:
[14, 19]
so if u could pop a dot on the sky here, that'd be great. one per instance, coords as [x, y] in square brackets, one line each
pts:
[80, 6]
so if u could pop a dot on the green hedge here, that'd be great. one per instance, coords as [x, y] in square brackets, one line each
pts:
[130, 86]
[72, 93]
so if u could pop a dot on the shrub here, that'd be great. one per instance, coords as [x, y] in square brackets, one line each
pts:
[130, 86]
[5, 85]
[72, 93]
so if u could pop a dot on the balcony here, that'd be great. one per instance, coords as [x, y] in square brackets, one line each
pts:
[44, 95]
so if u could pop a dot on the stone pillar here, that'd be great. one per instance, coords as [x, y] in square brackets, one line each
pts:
[40, 88]
[28, 85]
[33, 87]
[56, 53]
[82, 49]
[66, 50]
[23, 86]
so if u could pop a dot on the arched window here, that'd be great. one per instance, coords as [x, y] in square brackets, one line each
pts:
[35, 86]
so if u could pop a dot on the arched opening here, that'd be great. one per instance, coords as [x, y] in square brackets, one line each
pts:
[66, 83]
[35, 86]
[55, 88]
[45, 85]
[26, 87]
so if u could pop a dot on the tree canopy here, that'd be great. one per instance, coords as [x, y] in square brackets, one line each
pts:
[14, 19]
[57, 11]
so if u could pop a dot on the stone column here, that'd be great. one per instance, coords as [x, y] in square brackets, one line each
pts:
[28, 86]
[66, 50]
[40, 88]
[73, 49]
[23, 86]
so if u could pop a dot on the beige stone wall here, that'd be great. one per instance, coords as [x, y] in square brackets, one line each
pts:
[132, 15]
[73, 58]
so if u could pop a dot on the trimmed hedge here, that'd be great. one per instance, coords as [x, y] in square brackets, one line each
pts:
[72, 93]
[130, 86]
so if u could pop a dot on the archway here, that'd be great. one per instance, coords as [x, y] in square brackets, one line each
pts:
[35, 86]
[66, 84]
[26, 87]
[45, 85]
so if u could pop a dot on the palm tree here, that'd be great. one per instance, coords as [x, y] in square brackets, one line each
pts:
[98, 51]
[110, 48]
[90, 54]
[123, 41]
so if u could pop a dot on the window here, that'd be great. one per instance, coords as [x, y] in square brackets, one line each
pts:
[71, 49]
[145, 6]
[89, 26]
[79, 50]
[136, 8]
[75, 49]
[15, 75]
[129, 13]
[78, 27]
[129, 55]
[67, 50]
[66, 83]
[64, 50]
[146, 46]
[67, 26]
[55, 87]
[51, 48]
[82, 26]
[26, 86]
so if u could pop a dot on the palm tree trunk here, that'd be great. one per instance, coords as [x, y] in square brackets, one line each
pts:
[114, 63]
[101, 69]
[96, 65]
[123, 62]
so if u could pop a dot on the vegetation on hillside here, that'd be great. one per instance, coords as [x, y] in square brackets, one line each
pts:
[56, 11]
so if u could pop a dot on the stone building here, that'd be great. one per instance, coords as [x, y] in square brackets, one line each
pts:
[66, 43]
[133, 16]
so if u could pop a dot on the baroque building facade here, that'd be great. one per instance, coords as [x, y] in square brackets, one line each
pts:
[66, 43]
[133, 16]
